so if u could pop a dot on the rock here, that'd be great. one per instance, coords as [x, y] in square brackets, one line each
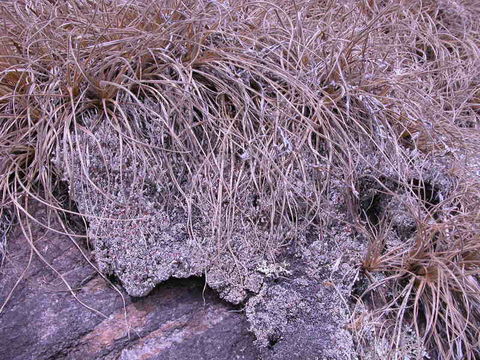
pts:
[143, 239]
[42, 320]
[304, 315]
[296, 314]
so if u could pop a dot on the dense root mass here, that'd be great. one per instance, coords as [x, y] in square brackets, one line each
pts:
[314, 160]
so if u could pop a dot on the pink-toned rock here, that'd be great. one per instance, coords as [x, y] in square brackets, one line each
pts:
[42, 320]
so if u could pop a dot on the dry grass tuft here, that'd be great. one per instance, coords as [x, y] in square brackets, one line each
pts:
[276, 104]
[430, 283]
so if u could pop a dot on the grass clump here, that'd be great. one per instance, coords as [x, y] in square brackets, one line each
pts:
[263, 119]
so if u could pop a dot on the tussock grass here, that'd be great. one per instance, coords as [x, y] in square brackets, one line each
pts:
[430, 282]
[279, 104]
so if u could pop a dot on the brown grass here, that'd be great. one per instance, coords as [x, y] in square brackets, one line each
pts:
[278, 99]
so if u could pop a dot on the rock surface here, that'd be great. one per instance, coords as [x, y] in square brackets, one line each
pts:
[294, 316]
[291, 280]
[42, 320]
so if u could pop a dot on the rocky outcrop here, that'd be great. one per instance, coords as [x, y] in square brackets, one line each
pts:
[294, 316]
[180, 319]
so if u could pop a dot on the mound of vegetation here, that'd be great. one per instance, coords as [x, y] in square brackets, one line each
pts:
[316, 161]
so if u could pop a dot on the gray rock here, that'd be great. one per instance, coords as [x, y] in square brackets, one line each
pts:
[42, 320]
[144, 234]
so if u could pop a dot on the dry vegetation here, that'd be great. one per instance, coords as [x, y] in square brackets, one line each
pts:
[276, 103]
